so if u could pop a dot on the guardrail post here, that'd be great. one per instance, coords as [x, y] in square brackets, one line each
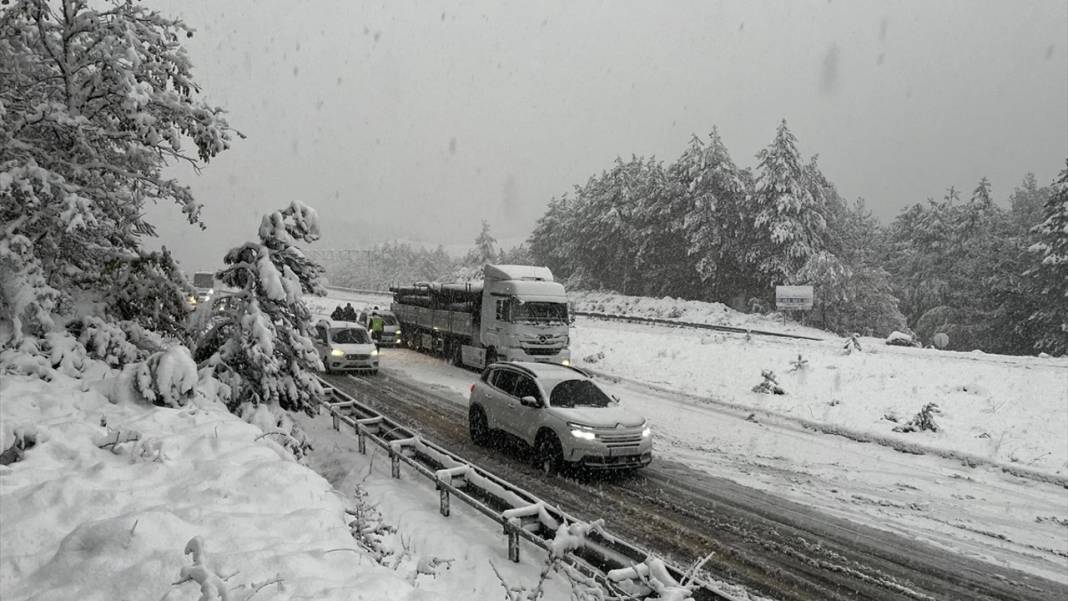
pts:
[394, 461]
[337, 421]
[361, 439]
[444, 498]
[512, 530]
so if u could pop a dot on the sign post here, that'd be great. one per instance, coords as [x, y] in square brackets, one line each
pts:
[793, 298]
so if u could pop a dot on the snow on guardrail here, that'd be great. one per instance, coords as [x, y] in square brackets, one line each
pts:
[601, 556]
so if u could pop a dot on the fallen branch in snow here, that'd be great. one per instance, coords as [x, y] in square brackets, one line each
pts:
[114, 438]
[922, 421]
[770, 385]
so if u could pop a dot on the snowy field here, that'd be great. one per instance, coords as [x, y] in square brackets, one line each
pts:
[695, 387]
[85, 522]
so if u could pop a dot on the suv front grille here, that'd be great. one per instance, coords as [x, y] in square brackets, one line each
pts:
[620, 439]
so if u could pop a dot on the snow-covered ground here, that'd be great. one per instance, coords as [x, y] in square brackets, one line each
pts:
[84, 522]
[695, 387]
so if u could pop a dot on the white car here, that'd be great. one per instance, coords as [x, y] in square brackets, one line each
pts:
[345, 346]
[560, 412]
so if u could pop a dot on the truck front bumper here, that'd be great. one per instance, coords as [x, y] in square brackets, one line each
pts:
[518, 354]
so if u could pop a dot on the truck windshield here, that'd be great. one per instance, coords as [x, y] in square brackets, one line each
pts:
[203, 280]
[539, 312]
[349, 336]
[578, 393]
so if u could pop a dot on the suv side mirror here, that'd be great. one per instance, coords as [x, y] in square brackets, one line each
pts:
[530, 401]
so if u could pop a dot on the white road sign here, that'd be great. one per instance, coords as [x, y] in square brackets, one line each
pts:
[793, 298]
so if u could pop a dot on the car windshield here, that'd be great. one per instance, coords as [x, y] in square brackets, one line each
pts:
[578, 393]
[539, 312]
[388, 320]
[349, 336]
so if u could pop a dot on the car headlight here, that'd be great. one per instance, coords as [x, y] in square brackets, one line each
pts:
[337, 353]
[192, 300]
[566, 362]
[583, 434]
[582, 431]
[398, 333]
[374, 353]
[647, 432]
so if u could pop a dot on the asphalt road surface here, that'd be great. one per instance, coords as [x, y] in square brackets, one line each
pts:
[770, 545]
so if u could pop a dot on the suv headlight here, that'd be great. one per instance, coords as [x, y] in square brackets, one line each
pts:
[337, 353]
[646, 431]
[581, 431]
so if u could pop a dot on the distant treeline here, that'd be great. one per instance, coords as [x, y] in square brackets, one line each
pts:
[990, 276]
[702, 228]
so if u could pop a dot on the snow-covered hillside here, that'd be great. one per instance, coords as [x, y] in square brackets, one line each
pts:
[85, 517]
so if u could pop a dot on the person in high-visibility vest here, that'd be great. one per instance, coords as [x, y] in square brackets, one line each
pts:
[376, 325]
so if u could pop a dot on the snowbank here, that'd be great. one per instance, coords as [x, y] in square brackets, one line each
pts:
[86, 518]
[1008, 410]
[684, 311]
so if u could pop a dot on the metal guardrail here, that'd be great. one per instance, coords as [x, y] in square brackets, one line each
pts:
[360, 290]
[521, 514]
[689, 324]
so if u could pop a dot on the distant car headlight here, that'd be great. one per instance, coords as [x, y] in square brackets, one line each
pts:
[398, 333]
[374, 353]
[582, 431]
[566, 362]
[192, 300]
[337, 353]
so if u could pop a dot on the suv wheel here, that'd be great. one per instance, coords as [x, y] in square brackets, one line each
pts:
[478, 426]
[549, 454]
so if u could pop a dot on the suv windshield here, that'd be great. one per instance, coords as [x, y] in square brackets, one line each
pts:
[539, 312]
[578, 393]
[349, 336]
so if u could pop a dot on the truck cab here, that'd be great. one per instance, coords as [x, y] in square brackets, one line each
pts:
[524, 315]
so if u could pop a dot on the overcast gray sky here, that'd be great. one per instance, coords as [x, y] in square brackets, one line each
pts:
[419, 119]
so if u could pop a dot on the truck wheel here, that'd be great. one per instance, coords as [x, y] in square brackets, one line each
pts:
[549, 454]
[478, 426]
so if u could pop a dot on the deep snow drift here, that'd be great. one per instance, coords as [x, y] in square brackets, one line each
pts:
[84, 517]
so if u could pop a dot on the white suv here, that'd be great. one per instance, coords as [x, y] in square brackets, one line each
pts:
[560, 412]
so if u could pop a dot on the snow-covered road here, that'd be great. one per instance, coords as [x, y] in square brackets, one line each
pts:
[980, 512]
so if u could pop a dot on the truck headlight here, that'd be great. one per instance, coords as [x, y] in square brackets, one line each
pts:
[337, 353]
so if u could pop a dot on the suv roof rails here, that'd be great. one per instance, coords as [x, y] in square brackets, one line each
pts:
[514, 365]
[530, 372]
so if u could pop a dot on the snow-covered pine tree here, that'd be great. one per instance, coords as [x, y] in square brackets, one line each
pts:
[788, 220]
[552, 241]
[711, 227]
[261, 346]
[95, 99]
[1047, 280]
